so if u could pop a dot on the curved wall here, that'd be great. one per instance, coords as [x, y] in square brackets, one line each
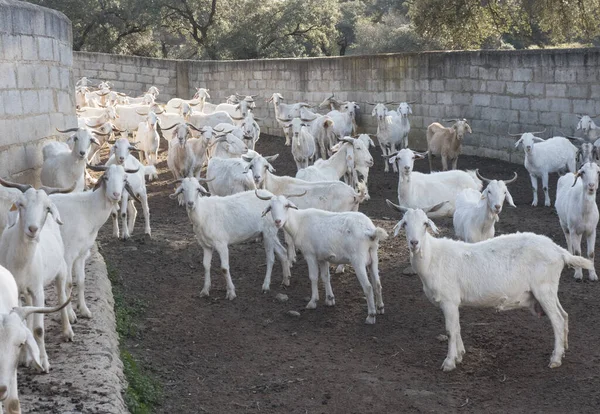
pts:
[36, 89]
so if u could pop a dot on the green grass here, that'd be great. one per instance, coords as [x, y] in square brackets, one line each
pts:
[143, 392]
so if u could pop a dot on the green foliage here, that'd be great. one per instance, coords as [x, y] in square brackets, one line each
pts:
[143, 391]
[250, 29]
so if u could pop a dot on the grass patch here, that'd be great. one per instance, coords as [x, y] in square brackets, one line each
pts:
[143, 391]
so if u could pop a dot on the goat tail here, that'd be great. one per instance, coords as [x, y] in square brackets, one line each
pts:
[150, 170]
[380, 234]
[577, 261]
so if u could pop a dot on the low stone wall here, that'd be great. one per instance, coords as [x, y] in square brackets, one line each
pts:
[36, 91]
[494, 90]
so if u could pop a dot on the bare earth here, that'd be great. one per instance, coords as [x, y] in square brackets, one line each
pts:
[248, 355]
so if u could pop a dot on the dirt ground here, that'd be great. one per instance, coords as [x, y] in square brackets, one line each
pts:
[249, 355]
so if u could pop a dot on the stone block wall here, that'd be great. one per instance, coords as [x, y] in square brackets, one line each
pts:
[495, 90]
[36, 89]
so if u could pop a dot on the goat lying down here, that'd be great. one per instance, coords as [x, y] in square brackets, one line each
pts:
[511, 271]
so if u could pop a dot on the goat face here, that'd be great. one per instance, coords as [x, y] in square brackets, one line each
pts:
[259, 166]
[379, 111]
[121, 150]
[404, 110]
[415, 223]
[114, 181]
[279, 207]
[589, 177]
[461, 127]
[495, 194]
[362, 156]
[351, 108]
[82, 141]
[405, 159]
[33, 207]
[585, 124]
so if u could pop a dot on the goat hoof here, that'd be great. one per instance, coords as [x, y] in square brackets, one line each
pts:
[593, 277]
[448, 365]
[204, 293]
[555, 364]
[370, 320]
[534, 204]
[230, 296]
[311, 305]
[381, 310]
[330, 301]
[85, 312]
[340, 269]
[266, 289]
[68, 335]
[72, 316]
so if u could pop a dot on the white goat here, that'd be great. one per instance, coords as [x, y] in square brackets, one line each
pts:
[201, 120]
[17, 340]
[303, 143]
[231, 175]
[321, 128]
[121, 155]
[250, 129]
[511, 271]
[219, 222]
[63, 167]
[578, 212]
[588, 127]
[148, 138]
[186, 156]
[446, 142]
[389, 131]
[418, 190]
[227, 146]
[341, 238]
[32, 249]
[543, 157]
[285, 111]
[349, 154]
[87, 212]
[476, 213]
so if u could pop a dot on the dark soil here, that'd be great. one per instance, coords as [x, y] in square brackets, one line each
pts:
[248, 355]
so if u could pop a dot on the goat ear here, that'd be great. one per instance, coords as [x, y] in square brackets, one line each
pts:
[398, 227]
[538, 139]
[509, 199]
[469, 129]
[264, 213]
[432, 226]
[54, 213]
[373, 112]
[271, 168]
[291, 205]
[418, 156]
[271, 158]
[32, 350]
[518, 142]
[436, 207]
[99, 183]
[392, 160]
[11, 219]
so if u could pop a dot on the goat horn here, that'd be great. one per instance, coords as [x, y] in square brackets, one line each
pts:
[396, 206]
[129, 171]
[140, 113]
[67, 130]
[577, 175]
[176, 193]
[205, 180]
[54, 190]
[512, 180]
[193, 127]
[171, 127]
[284, 119]
[450, 120]
[262, 198]
[94, 126]
[538, 132]
[22, 187]
[481, 177]
[25, 311]
[295, 195]
[390, 155]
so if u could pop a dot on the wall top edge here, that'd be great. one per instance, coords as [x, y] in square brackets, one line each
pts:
[483, 52]
[33, 7]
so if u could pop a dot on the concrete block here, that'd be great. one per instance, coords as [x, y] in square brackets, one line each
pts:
[54, 79]
[538, 104]
[41, 76]
[505, 74]
[25, 76]
[11, 46]
[535, 89]
[148, 71]
[436, 85]
[161, 80]
[461, 98]
[29, 100]
[488, 141]
[528, 117]
[65, 78]
[123, 76]
[578, 91]
[65, 54]
[586, 74]
[46, 101]
[8, 76]
[112, 67]
[499, 101]
[567, 75]
[444, 98]
[454, 85]
[481, 99]
[558, 90]
[543, 74]
[45, 48]
[515, 88]
[29, 48]
[519, 103]
[560, 105]
[94, 66]
[12, 102]
[130, 69]
[488, 74]
[495, 86]
[473, 85]
[550, 118]
[522, 75]
[584, 106]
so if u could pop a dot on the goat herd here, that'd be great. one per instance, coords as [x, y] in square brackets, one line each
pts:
[47, 234]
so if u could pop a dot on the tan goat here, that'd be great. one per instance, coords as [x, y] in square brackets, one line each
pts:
[446, 141]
